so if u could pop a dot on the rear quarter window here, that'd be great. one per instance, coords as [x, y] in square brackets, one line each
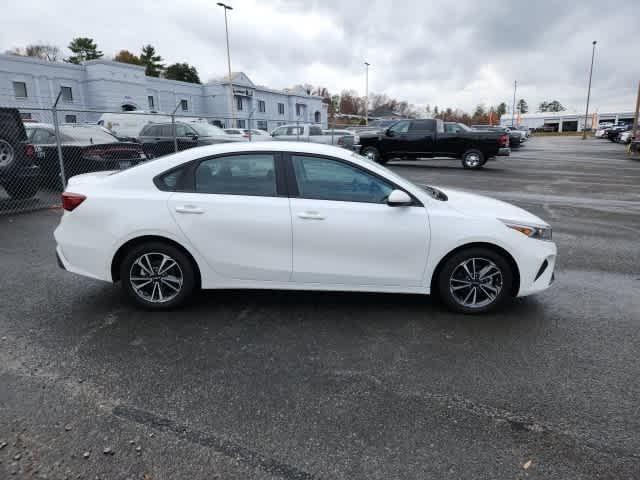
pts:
[172, 181]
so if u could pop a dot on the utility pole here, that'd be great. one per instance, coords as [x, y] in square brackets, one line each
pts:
[226, 28]
[366, 94]
[635, 118]
[586, 113]
[513, 110]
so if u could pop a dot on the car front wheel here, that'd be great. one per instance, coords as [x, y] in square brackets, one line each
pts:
[475, 280]
[157, 276]
[372, 153]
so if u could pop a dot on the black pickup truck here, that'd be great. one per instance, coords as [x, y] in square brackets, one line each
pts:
[413, 139]
[19, 174]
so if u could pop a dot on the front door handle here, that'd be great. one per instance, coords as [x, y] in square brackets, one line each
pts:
[189, 209]
[311, 216]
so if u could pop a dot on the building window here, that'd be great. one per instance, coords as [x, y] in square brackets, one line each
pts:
[239, 103]
[281, 108]
[184, 104]
[25, 116]
[151, 102]
[262, 125]
[70, 119]
[262, 106]
[20, 89]
[241, 123]
[67, 94]
[299, 109]
[317, 117]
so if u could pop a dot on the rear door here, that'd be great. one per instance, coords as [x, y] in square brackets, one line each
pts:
[236, 215]
[420, 138]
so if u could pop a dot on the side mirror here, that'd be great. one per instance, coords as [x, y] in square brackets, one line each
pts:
[399, 198]
[388, 132]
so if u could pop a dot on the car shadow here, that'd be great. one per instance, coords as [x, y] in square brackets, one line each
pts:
[436, 165]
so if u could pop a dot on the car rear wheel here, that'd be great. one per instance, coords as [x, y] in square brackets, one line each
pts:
[475, 280]
[157, 276]
[473, 159]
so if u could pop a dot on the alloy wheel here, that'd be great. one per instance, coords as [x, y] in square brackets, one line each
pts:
[476, 282]
[6, 153]
[472, 159]
[156, 277]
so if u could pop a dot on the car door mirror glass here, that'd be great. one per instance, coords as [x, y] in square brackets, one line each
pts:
[398, 198]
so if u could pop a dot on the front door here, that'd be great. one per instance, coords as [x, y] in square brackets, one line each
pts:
[235, 218]
[394, 141]
[344, 233]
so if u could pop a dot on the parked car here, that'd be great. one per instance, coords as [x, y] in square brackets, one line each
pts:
[414, 139]
[296, 215]
[128, 125]
[85, 148]
[625, 137]
[515, 137]
[157, 138]
[305, 133]
[614, 132]
[19, 173]
[344, 138]
[254, 135]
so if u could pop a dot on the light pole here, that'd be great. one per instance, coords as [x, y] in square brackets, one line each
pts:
[586, 114]
[226, 28]
[366, 94]
[513, 109]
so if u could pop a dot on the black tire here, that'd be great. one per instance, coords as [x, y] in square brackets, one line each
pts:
[452, 276]
[145, 294]
[473, 159]
[22, 189]
[7, 154]
[374, 154]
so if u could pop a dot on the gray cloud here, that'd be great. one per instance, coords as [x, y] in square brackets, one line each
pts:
[439, 52]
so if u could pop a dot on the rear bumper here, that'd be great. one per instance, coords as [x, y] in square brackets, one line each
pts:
[504, 152]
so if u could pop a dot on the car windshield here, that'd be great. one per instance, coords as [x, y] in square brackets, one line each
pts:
[88, 134]
[206, 129]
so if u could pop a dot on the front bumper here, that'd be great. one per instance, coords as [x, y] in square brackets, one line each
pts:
[504, 152]
[539, 273]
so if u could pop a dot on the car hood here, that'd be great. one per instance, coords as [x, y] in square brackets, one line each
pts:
[486, 207]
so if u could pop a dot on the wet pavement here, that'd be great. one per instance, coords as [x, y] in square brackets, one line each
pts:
[301, 385]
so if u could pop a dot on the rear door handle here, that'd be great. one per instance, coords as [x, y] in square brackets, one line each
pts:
[311, 216]
[189, 209]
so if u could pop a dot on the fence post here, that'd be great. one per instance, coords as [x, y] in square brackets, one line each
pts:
[56, 127]
[173, 132]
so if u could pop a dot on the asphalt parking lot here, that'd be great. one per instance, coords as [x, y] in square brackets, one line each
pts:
[293, 385]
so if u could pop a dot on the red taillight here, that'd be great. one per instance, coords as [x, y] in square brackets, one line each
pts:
[30, 150]
[503, 140]
[71, 200]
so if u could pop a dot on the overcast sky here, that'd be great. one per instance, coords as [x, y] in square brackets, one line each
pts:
[446, 53]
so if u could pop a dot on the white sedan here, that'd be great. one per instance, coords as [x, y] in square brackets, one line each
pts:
[297, 216]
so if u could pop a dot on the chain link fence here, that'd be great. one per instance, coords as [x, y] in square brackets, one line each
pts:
[40, 149]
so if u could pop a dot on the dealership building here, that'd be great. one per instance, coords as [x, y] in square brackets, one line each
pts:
[98, 86]
[563, 121]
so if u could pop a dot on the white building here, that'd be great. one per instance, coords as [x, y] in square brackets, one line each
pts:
[563, 121]
[100, 85]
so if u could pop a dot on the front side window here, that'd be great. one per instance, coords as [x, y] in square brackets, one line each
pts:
[251, 174]
[400, 127]
[67, 94]
[181, 130]
[43, 137]
[20, 89]
[448, 128]
[70, 119]
[313, 130]
[279, 131]
[294, 131]
[326, 179]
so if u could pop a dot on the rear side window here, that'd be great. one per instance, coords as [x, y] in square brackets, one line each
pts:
[166, 131]
[421, 126]
[251, 174]
[172, 181]
[315, 131]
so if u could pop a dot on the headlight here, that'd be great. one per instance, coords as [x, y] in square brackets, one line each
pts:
[532, 231]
